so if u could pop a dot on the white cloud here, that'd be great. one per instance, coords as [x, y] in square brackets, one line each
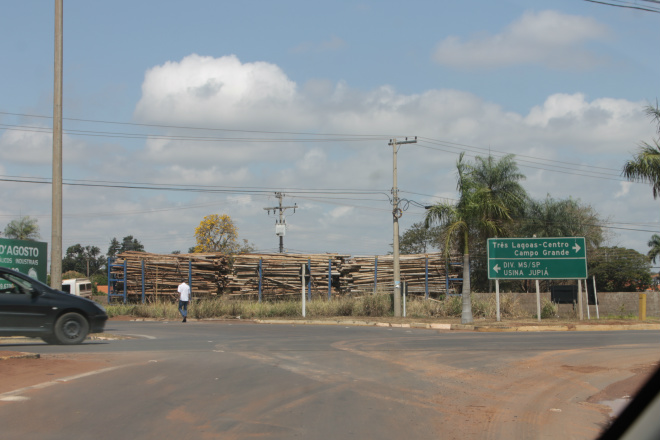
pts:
[547, 38]
[625, 190]
[566, 127]
[342, 211]
[245, 200]
[35, 148]
[313, 162]
[603, 125]
[26, 147]
[203, 90]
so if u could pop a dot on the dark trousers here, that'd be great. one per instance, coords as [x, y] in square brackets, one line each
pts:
[183, 308]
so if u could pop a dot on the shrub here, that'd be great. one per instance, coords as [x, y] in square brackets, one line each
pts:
[548, 309]
[373, 305]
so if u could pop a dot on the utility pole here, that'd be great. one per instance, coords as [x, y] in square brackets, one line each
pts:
[280, 225]
[396, 214]
[56, 214]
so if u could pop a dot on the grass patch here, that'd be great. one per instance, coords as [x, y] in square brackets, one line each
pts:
[368, 305]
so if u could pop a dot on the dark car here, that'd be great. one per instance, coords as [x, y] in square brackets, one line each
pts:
[31, 308]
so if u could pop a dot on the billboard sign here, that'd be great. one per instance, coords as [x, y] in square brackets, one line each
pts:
[27, 257]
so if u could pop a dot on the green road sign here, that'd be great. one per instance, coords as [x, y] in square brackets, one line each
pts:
[28, 257]
[554, 258]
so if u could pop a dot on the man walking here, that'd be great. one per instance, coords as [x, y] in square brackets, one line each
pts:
[184, 298]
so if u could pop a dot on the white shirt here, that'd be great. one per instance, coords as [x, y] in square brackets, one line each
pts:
[184, 290]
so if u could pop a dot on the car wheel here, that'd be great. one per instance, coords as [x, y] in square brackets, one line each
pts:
[71, 328]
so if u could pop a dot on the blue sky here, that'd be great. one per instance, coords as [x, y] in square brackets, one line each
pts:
[558, 83]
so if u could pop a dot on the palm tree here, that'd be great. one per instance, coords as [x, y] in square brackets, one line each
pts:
[645, 165]
[654, 244]
[479, 211]
[654, 113]
[502, 178]
[25, 228]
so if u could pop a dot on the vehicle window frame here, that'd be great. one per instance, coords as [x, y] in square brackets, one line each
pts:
[23, 286]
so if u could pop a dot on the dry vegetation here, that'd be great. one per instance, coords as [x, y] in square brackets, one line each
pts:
[367, 305]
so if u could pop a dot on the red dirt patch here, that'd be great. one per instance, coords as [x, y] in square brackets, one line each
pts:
[20, 373]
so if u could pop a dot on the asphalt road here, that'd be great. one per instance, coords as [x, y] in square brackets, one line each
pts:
[237, 380]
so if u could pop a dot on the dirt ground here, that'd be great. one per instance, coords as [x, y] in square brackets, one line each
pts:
[21, 373]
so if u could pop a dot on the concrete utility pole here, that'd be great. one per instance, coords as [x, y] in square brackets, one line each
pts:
[280, 225]
[56, 215]
[396, 214]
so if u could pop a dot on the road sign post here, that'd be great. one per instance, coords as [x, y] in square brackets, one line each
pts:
[548, 258]
[563, 258]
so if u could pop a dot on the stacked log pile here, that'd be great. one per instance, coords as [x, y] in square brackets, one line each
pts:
[214, 274]
[367, 273]
[281, 274]
[164, 272]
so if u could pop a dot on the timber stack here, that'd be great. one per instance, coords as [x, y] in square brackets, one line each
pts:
[377, 273]
[281, 274]
[164, 272]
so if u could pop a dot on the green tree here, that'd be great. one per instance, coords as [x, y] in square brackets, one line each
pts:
[619, 269]
[24, 228]
[562, 218]
[131, 244]
[645, 165]
[128, 243]
[419, 240]
[480, 211]
[550, 217]
[654, 244]
[84, 259]
[114, 247]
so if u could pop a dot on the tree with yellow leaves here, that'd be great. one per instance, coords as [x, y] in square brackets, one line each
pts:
[217, 233]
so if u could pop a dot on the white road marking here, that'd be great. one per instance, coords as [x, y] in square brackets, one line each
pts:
[15, 396]
[143, 336]
[14, 399]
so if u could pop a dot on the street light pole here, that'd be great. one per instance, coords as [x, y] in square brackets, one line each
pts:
[56, 214]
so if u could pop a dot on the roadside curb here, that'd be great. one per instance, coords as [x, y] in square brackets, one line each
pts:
[567, 328]
[467, 327]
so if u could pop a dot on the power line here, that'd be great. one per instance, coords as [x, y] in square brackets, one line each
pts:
[328, 196]
[533, 162]
[428, 143]
[134, 124]
[629, 4]
[107, 134]
[504, 153]
[189, 188]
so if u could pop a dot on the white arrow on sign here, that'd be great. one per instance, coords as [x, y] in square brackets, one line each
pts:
[576, 248]
[497, 268]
